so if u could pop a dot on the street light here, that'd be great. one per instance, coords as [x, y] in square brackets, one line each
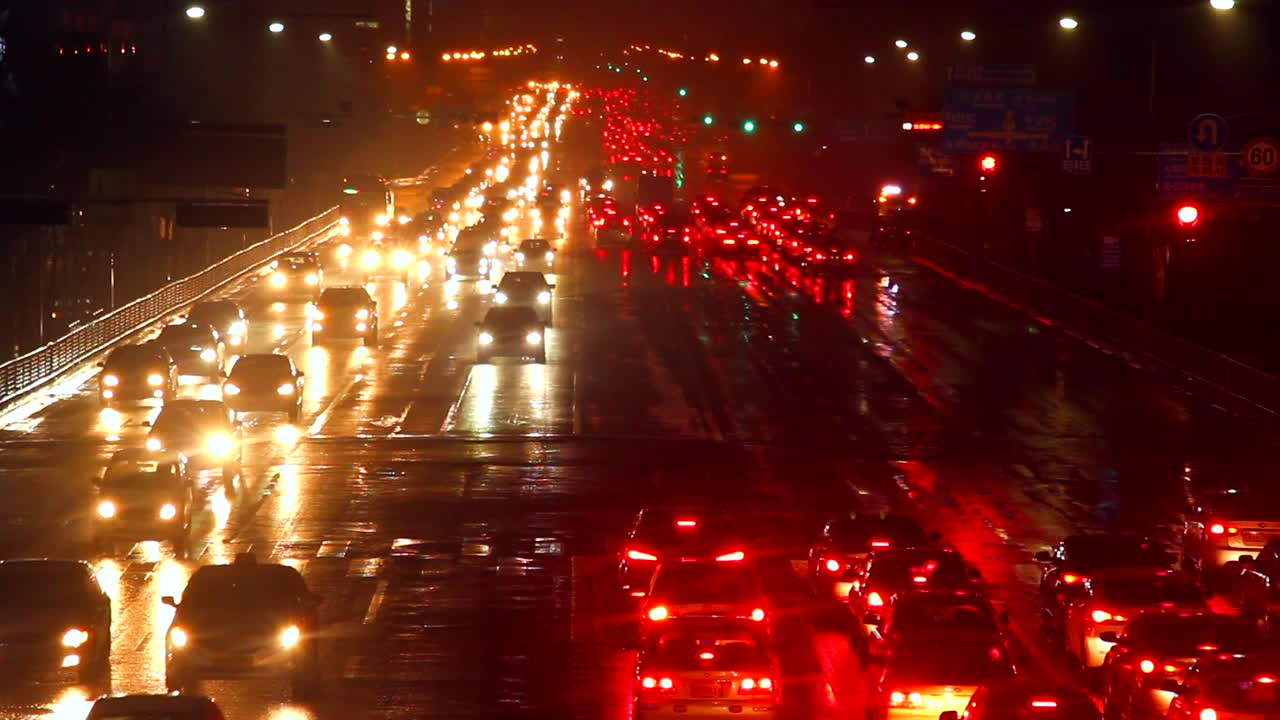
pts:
[797, 127]
[1222, 4]
[276, 27]
[968, 35]
[707, 119]
[1068, 23]
[870, 60]
[392, 49]
[326, 37]
[195, 12]
[902, 44]
[913, 56]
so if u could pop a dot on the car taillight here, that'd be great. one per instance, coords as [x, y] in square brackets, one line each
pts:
[757, 615]
[658, 613]
[1220, 529]
[1101, 616]
[660, 684]
[1072, 578]
[1208, 714]
[640, 555]
[1147, 667]
[755, 686]
[728, 241]
[686, 523]
[899, 699]
[1044, 704]
[753, 241]
[874, 599]
[732, 557]
[833, 565]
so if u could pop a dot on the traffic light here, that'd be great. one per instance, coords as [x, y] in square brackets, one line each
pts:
[988, 163]
[682, 92]
[1188, 215]
[797, 127]
[707, 119]
[748, 126]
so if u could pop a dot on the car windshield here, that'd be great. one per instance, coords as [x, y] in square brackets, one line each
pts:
[1189, 636]
[185, 334]
[513, 283]
[133, 356]
[509, 317]
[40, 584]
[1247, 506]
[535, 246]
[215, 314]
[1034, 704]
[930, 663]
[261, 366]
[225, 588]
[342, 297]
[688, 583]
[1151, 591]
[709, 649]
[1246, 694]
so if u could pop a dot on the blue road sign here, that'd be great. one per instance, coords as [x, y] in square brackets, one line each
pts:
[1077, 156]
[1176, 181]
[1007, 119]
[1207, 132]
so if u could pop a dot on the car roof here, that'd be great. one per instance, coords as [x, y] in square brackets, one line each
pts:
[145, 455]
[1230, 664]
[520, 276]
[1138, 573]
[344, 292]
[131, 704]
[256, 360]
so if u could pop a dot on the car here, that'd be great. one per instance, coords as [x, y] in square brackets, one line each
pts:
[1228, 687]
[468, 263]
[345, 312]
[847, 540]
[1027, 699]
[727, 589]
[1067, 566]
[137, 372]
[827, 254]
[528, 289]
[389, 253]
[1255, 583]
[945, 614]
[922, 680]
[1160, 645]
[535, 252]
[671, 233]
[204, 431]
[195, 348]
[511, 332]
[675, 534]
[885, 573]
[1111, 598]
[244, 618]
[265, 382]
[1227, 524]
[718, 166]
[224, 316]
[698, 667]
[57, 620]
[144, 495]
[155, 707]
[296, 274]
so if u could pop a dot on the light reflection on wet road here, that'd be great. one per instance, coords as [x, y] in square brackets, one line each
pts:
[459, 519]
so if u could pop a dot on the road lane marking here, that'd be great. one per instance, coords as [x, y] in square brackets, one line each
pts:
[375, 602]
[451, 417]
[333, 549]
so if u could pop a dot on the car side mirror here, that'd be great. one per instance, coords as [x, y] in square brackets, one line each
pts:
[1109, 636]
[949, 715]
[1171, 685]
[1043, 556]
[169, 600]
[101, 364]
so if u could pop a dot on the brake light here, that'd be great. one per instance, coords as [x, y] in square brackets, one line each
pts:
[707, 656]
[1101, 616]
[731, 557]
[1220, 529]
[639, 555]
[686, 523]
[662, 685]
[880, 543]
[1208, 714]
[874, 599]
[1147, 667]
[753, 242]
[920, 579]
[658, 613]
[833, 565]
[755, 686]
[729, 241]
[1071, 578]
[1044, 703]
[757, 615]
[1264, 679]
[900, 699]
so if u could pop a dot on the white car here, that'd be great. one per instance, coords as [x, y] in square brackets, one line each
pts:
[1111, 598]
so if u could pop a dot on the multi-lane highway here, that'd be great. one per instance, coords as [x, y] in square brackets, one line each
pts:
[461, 521]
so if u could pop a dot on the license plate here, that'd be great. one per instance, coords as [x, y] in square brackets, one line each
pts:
[1256, 538]
[706, 689]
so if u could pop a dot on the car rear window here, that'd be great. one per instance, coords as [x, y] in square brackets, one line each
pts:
[1151, 591]
[41, 584]
[1098, 552]
[933, 663]
[907, 568]
[705, 650]
[934, 614]
[1189, 636]
[510, 316]
[690, 583]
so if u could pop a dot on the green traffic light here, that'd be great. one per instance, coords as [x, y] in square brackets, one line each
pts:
[707, 119]
[682, 92]
[749, 126]
[797, 127]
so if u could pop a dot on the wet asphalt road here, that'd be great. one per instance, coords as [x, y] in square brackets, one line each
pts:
[460, 520]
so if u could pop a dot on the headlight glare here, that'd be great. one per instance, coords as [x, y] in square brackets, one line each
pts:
[178, 637]
[313, 279]
[486, 338]
[74, 638]
[168, 511]
[219, 445]
[110, 380]
[500, 298]
[278, 279]
[362, 314]
[155, 379]
[544, 298]
[230, 389]
[285, 389]
[208, 354]
[106, 509]
[289, 637]
[533, 338]
[154, 444]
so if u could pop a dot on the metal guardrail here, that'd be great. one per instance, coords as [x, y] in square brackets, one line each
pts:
[43, 365]
[1223, 373]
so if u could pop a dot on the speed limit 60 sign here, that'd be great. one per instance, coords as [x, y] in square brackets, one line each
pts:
[1261, 156]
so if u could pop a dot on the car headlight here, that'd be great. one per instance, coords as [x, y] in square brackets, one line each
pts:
[168, 511]
[361, 327]
[208, 354]
[486, 338]
[401, 258]
[533, 338]
[285, 389]
[519, 257]
[154, 444]
[278, 279]
[376, 235]
[362, 314]
[500, 297]
[344, 222]
[219, 445]
[316, 313]
[290, 637]
[344, 250]
[110, 380]
[344, 231]
[370, 259]
[178, 637]
[230, 389]
[238, 328]
[312, 279]
[155, 379]
[316, 327]
[74, 638]
[544, 298]
[106, 509]
[381, 219]
[550, 256]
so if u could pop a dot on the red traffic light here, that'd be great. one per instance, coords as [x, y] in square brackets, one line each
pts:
[988, 163]
[1188, 215]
